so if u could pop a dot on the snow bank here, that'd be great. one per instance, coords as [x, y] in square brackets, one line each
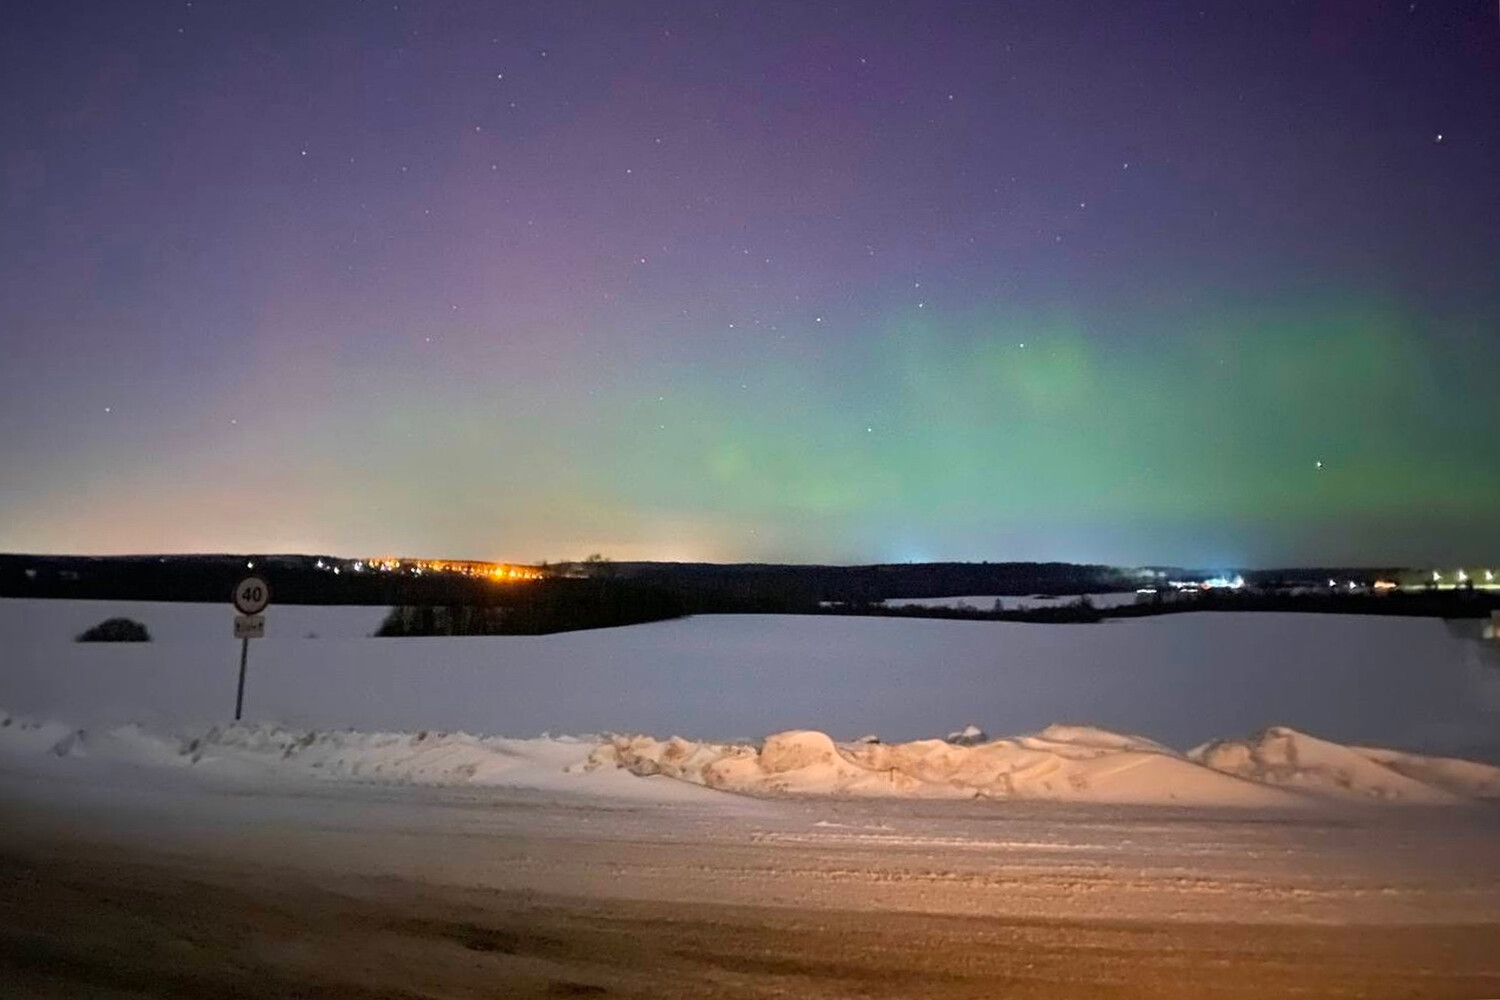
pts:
[1279, 767]
[24, 737]
[1283, 757]
[1065, 764]
[267, 754]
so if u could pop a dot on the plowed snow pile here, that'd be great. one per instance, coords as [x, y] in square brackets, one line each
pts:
[1285, 758]
[1277, 767]
[1061, 763]
[263, 754]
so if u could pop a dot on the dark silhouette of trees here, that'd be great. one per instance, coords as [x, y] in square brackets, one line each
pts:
[115, 630]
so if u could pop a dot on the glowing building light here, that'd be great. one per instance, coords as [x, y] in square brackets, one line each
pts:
[1462, 577]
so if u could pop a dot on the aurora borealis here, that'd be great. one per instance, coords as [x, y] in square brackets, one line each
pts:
[1210, 284]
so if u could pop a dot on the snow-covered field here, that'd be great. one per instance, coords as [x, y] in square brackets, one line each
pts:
[1410, 684]
[1366, 707]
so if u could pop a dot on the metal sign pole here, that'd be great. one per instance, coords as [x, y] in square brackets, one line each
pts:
[251, 596]
[239, 697]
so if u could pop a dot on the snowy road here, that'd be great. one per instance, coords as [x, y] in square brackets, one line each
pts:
[1016, 859]
[395, 891]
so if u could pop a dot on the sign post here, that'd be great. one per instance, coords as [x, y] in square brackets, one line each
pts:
[251, 597]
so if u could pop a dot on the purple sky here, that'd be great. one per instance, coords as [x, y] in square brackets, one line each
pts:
[753, 280]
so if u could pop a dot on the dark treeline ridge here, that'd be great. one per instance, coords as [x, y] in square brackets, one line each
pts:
[599, 593]
[296, 579]
[541, 607]
[1435, 604]
[778, 587]
[429, 604]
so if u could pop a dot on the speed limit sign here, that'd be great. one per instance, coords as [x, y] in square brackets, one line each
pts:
[251, 595]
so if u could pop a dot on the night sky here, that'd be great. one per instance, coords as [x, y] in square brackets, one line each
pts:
[1213, 284]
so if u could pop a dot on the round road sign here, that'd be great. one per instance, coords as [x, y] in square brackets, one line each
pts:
[251, 595]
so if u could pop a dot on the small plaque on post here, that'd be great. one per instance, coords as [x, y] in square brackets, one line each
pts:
[249, 626]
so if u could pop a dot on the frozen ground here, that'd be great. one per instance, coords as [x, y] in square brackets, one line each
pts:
[1181, 679]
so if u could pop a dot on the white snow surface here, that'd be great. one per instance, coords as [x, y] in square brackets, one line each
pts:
[1285, 758]
[1062, 764]
[1185, 679]
[252, 756]
[1278, 768]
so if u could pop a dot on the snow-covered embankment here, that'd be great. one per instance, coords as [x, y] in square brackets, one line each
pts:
[1277, 767]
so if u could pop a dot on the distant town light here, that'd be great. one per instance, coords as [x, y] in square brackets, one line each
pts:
[1463, 577]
